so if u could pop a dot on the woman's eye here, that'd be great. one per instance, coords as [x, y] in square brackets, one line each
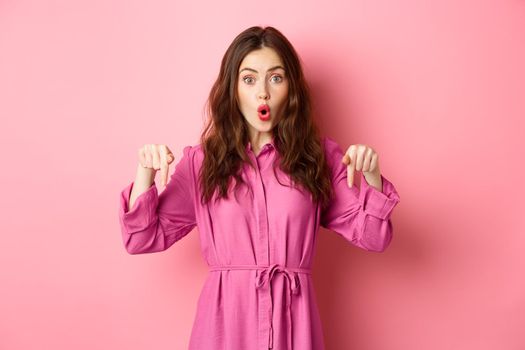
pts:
[279, 78]
[248, 80]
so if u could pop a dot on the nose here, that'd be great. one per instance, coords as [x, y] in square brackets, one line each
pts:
[263, 94]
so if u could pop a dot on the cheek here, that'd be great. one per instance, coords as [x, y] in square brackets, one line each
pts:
[242, 97]
[282, 95]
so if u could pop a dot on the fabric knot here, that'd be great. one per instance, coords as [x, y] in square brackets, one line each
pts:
[266, 275]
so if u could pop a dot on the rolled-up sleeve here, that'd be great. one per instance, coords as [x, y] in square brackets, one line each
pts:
[156, 222]
[362, 216]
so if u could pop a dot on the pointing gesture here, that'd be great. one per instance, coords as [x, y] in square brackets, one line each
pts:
[153, 156]
[362, 158]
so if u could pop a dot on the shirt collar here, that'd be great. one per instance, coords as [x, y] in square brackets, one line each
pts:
[269, 144]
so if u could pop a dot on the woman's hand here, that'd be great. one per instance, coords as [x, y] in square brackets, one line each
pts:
[363, 158]
[153, 156]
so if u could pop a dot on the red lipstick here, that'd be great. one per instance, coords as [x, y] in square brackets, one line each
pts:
[264, 112]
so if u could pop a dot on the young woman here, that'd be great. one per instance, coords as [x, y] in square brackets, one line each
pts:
[258, 186]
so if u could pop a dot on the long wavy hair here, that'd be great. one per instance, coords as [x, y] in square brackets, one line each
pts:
[296, 137]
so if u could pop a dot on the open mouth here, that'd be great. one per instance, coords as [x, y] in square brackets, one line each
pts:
[264, 112]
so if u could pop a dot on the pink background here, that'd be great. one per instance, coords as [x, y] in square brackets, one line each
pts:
[435, 87]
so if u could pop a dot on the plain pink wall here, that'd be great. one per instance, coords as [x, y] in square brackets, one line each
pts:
[435, 87]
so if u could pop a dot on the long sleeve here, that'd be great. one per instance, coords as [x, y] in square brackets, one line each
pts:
[156, 222]
[360, 216]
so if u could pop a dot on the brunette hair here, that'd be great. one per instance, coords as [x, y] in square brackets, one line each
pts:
[296, 137]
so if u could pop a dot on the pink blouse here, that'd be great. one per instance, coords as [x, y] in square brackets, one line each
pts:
[258, 244]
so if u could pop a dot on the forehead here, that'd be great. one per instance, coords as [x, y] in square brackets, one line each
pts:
[261, 59]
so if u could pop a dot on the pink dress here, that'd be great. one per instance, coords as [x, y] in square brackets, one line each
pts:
[258, 244]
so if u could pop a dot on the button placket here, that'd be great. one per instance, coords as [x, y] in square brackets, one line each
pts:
[262, 248]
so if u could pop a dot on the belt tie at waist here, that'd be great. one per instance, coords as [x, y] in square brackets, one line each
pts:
[263, 281]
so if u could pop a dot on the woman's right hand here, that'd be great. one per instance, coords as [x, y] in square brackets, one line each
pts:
[156, 157]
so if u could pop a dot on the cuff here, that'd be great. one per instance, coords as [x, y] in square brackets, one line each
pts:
[377, 203]
[143, 211]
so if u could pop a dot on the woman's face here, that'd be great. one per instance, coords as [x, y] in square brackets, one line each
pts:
[262, 80]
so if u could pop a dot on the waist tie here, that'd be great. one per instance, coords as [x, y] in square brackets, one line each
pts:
[263, 281]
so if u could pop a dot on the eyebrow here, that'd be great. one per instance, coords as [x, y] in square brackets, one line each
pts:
[253, 70]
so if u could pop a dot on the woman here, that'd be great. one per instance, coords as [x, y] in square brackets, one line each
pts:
[258, 187]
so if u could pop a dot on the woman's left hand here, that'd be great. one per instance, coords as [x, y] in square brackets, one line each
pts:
[363, 158]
